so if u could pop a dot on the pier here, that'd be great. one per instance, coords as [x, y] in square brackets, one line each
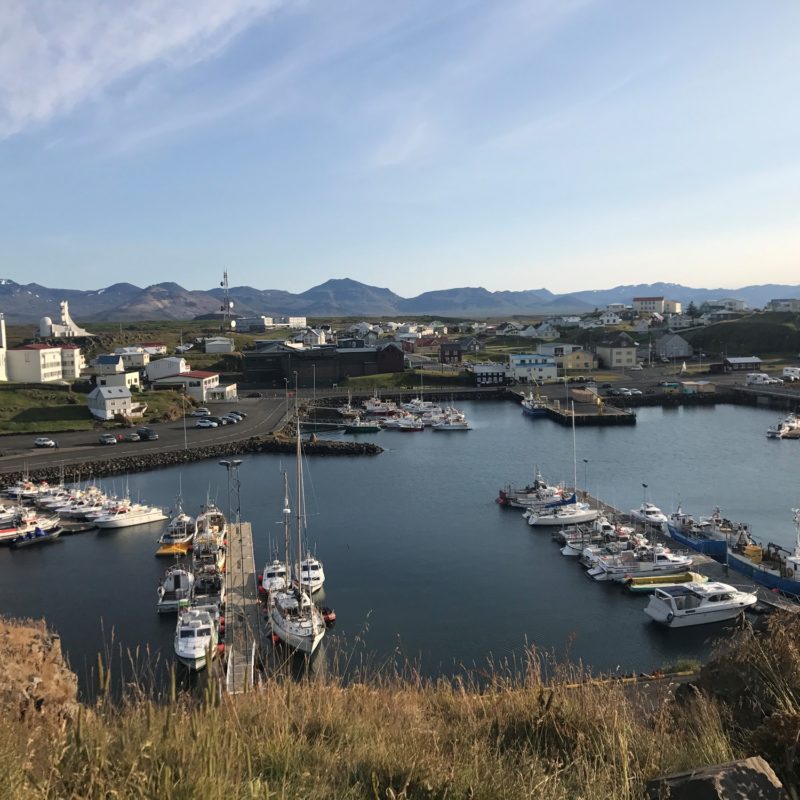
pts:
[588, 409]
[243, 626]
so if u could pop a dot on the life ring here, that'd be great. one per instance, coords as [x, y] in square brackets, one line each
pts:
[670, 617]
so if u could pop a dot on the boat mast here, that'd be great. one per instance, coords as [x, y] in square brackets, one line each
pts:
[286, 514]
[574, 453]
[299, 498]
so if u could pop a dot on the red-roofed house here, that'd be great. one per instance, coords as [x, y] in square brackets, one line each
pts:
[154, 348]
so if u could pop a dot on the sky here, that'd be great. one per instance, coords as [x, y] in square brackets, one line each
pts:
[511, 144]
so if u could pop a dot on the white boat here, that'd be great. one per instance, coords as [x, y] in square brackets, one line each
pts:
[650, 514]
[452, 422]
[697, 604]
[274, 578]
[176, 585]
[374, 405]
[128, 516]
[293, 615]
[639, 563]
[312, 574]
[212, 521]
[786, 428]
[563, 515]
[195, 638]
[177, 538]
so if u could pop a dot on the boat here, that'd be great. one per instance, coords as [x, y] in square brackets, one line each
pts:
[127, 516]
[537, 493]
[347, 409]
[409, 425]
[312, 574]
[195, 637]
[772, 566]
[698, 604]
[36, 536]
[563, 515]
[786, 428]
[274, 577]
[653, 582]
[211, 521]
[293, 615]
[643, 562]
[707, 535]
[534, 405]
[650, 514]
[358, 425]
[374, 405]
[176, 585]
[26, 524]
[452, 422]
[177, 538]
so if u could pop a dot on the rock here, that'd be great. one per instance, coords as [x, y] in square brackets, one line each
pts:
[749, 779]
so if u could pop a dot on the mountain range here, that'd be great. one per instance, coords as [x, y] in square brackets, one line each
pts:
[120, 302]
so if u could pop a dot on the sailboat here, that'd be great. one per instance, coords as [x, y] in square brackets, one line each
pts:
[294, 617]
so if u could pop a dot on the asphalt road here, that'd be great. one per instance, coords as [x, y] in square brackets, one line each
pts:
[264, 415]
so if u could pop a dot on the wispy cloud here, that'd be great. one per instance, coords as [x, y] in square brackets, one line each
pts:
[55, 56]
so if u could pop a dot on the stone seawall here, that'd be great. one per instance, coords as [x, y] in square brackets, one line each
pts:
[150, 461]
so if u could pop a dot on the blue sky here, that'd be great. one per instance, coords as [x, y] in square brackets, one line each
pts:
[566, 144]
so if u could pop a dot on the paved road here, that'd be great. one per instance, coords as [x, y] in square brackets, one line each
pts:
[264, 415]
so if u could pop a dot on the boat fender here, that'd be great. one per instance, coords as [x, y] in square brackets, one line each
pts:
[789, 572]
[670, 617]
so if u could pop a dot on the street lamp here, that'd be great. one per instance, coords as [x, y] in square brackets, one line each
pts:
[286, 382]
[585, 477]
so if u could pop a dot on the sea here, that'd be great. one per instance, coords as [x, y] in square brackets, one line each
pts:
[424, 570]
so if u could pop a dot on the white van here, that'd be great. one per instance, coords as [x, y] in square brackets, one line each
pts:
[757, 378]
[791, 373]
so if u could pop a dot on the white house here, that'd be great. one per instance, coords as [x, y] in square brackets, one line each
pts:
[219, 344]
[164, 367]
[312, 337]
[532, 366]
[133, 357]
[616, 351]
[130, 380]
[105, 402]
[648, 305]
[198, 384]
[609, 318]
[108, 364]
[547, 332]
[258, 324]
[34, 363]
[529, 331]
[72, 361]
[154, 348]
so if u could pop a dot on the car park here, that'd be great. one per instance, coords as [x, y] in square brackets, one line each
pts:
[201, 412]
[205, 423]
[147, 434]
[107, 438]
[623, 392]
[43, 441]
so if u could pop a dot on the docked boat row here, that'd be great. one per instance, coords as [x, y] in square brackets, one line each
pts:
[786, 428]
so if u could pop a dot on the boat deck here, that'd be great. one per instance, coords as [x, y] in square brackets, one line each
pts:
[243, 625]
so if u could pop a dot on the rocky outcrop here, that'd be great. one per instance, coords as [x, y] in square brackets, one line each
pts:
[35, 682]
[738, 780]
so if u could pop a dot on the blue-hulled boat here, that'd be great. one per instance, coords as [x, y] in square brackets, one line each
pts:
[708, 535]
[534, 405]
[772, 566]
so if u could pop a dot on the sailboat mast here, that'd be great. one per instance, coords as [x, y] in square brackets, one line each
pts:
[574, 453]
[299, 498]
[286, 513]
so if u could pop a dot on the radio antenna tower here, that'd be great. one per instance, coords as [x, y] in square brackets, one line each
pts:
[227, 304]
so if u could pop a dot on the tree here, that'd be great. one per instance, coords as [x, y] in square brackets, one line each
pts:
[691, 310]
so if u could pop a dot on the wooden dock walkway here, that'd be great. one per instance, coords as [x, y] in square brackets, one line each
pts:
[243, 625]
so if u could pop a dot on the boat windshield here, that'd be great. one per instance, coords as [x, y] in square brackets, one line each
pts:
[187, 634]
[204, 632]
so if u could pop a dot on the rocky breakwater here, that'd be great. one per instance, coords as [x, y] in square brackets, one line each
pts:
[146, 461]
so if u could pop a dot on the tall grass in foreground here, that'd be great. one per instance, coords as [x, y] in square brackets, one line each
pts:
[511, 735]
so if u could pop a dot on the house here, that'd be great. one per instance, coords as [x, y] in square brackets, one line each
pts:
[728, 304]
[672, 345]
[133, 357]
[569, 356]
[130, 380]
[469, 345]
[108, 364]
[742, 364]
[785, 304]
[615, 308]
[609, 318]
[164, 367]
[450, 353]
[311, 337]
[648, 305]
[360, 328]
[198, 384]
[618, 351]
[678, 322]
[571, 321]
[671, 307]
[219, 344]
[532, 366]
[72, 362]
[529, 331]
[34, 363]
[154, 348]
[509, 329]
[547, 332]
[106, 402]
[489, 374]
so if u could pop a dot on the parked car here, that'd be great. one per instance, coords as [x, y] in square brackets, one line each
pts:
[131, 436]
[43, 441]
[147, 434]
[201, 412]
[205, 423]
[635, 366]
[634, 391]
[623, 392]
[238, 413]
[218, 420]
[231, 419]
[107, 438]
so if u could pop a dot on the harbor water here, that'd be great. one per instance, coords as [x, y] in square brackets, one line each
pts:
[421, 564]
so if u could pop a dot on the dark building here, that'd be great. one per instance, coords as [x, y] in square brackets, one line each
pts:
[274, 364]
[450, 353]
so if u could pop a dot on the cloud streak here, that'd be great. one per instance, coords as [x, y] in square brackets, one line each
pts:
[56, 56]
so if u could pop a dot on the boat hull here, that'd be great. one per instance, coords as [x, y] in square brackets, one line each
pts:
[715, 548]
[690, 619]
[761, 575]
[301, 638]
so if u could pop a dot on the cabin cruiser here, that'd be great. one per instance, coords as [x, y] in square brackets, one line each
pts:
[563, 515]
[127, 516]
[650, 514]
[195, 638]
[176, 585]
[639, 563]
[274, 577]
[312, 575]
[697, 604]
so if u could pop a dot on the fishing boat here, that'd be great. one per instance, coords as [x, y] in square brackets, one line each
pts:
[176, 585]
[773, 566]
[177, 538]
[534, 405]
[698, 604]
[293, 615]
[537, 493]
[653, 582]
[347, 409]
[452, 423]
[195, 638]
[786, 428]
[639, 563]
[707, 535]
[358, 425]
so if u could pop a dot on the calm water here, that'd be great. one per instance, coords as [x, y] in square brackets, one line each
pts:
[420, 561]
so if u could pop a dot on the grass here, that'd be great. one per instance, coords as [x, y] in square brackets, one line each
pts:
[407, 380]
[513, 735]
[43, 411]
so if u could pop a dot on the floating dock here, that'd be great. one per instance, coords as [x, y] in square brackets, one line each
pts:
[243, 625]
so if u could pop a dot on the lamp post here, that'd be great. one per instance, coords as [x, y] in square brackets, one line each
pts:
[585, 477]
[314, 384]
[286, 383]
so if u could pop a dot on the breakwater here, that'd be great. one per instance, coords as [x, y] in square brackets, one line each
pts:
[146, 462]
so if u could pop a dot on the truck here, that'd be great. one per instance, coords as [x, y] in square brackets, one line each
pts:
[791, 374]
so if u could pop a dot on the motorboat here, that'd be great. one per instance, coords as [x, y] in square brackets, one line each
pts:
[534, 405]
[195, 638]
[452, 423]
[209, 586]
[25, 525]
[36, 536]
[650, 514]
[374, 405]
[358, 425]
[537, 493]
[653, 582]
[698, 604]
[177, 538]
[274, 578]
[176, 585]
[563, 515]
[786, 428]
[127, 516]
[312, 575]
[639, 563]
[771, 565]
[211, 521]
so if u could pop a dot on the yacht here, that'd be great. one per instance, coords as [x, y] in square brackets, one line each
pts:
[650, 514]
[639, 563]
[176, 585]
[563, 515]
[274, 577]
[312, 575]
[127, 516]
[195, 638]
[698, 604]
